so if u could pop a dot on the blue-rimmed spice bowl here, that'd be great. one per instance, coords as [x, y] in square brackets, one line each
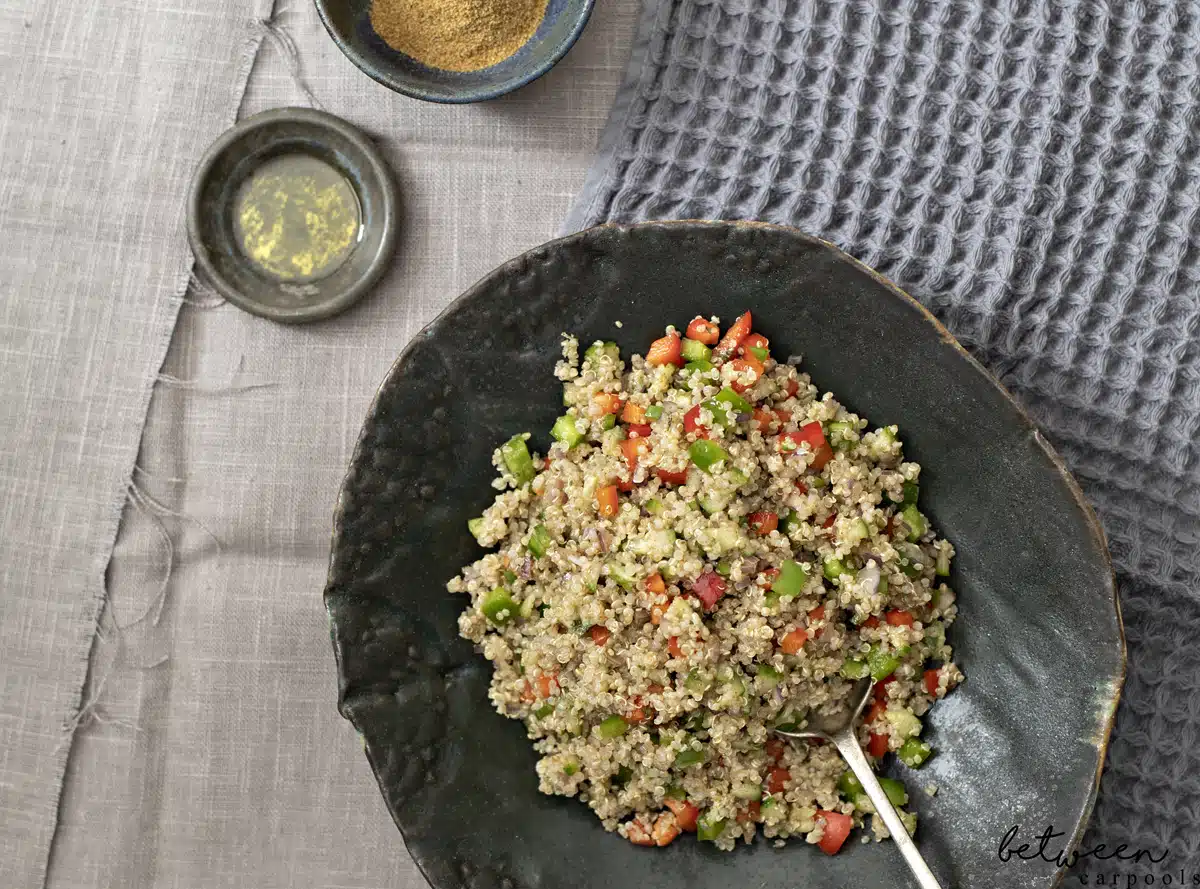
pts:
[349, 24]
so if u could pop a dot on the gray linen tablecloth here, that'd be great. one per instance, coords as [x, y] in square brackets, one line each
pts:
[1030, 170]
[217, 758]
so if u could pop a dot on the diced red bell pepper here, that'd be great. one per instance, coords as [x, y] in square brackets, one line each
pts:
[835, 829]
[777, 779]
[737, 332]
[763, 523]
[770, 574]
[792, 387]
[742, 366]
[932, 681]
[666, 828]
[871, 622]
[607, 502]
[633, 449]
[899, 618]
[655, 584]
[673, 647]
[801, 487]
[636, 716]
[812, 435]
[775, 748]
[703, 331]
[633, 413]
[606, 403]
[709, 587]
[625, 487]
[762, 419]
[691, 420]
[755, 341]
[817, 615]
[793, 641]
[881, 691]
[878, 745]
[876, 710]
[639, 834]
[750, 814]
[599, 634]
[667, 350]
[828, 523]
[545, 685]
[639, 430]
[657, 610]
[672, 478]
[685, 813]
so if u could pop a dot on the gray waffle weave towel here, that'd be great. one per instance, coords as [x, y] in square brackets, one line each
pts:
[1031, 172]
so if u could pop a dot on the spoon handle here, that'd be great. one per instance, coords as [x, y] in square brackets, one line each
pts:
[848, 746]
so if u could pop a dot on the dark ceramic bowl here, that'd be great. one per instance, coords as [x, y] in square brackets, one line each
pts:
[232, 160]
[349, 24]
[1039, 637]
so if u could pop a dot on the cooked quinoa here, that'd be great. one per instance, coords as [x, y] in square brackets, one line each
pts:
[709, 550]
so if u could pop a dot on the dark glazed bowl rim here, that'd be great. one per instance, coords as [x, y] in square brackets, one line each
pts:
[384, 76]
[1092, 521]
[377, 177]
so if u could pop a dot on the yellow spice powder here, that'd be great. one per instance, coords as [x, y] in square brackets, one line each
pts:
[457, 35]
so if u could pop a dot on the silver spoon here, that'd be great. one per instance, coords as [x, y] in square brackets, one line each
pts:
[839, 731]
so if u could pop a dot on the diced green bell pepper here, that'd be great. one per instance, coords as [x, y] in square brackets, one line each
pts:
[767, 676]
[564, 430]
[884, 663]
[790, 523]
[598, 351]
[675, 792]
[706, 454]
[654, 412]
[543, 711]
[838, 433]
[917, 524]
[570, 766]
[516, 457]
[895, 790]
[608, 421]
[695, 682]
[612, 727]
[791, 580]
[913, 753]
[855, 669]
[759, 352]
[709, 829]
[849, 785]
[654, 506]
[833, 568]
[539, 541]
[693, 366]
[751, 792]
[688, 757]
[694, 350]
[498, 606]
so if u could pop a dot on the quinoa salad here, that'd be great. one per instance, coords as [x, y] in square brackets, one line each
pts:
[710, 549]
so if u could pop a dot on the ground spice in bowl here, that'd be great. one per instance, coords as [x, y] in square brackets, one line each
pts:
[457, 35]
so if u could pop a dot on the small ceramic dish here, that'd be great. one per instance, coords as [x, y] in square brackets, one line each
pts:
[1038, 635]
[349, 24]
[235, 216]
